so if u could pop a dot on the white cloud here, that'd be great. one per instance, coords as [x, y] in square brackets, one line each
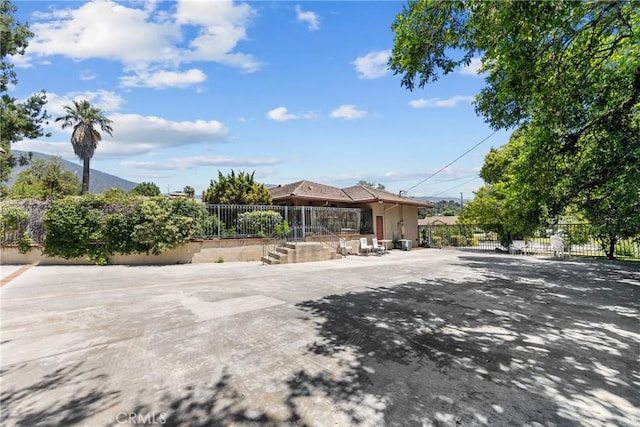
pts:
[104, 29]
[163, 79]
[134, 134]
[86, 75]
[473, 67]
[373, 65]
[62, 149]
[310, 18]
[221, 25]
[440, 103]
[348, 112]
[103, 99]
[147, 41]
[281, 114]
[183, 163]
[157, 132]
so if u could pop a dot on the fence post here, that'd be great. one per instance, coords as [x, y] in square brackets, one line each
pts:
[304, 224]
[219, 221]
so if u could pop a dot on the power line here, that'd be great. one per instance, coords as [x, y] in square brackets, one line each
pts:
[450, 163]
[459, 185]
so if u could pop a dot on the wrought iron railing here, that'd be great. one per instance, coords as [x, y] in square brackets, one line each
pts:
[577, 238]
[271, 245]
[238, 221]
[326, 237]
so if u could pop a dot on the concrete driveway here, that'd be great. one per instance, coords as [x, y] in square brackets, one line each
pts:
[427, 337]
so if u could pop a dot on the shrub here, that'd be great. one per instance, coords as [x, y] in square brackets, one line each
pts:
[74, 228]
[281, 230]
[436, 242]
[211, 226]
[627, 249]
[24, 244]
[458, 240]
[474, 242]
[88, 226]
[34, 224]
[260, 223]
[13, 222]
[165, 224]
[119, 228]
[148, 189]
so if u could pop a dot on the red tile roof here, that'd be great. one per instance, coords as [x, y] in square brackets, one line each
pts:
[308, 190]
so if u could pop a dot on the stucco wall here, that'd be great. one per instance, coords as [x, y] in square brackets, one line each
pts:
[400, 221]
[232, 250]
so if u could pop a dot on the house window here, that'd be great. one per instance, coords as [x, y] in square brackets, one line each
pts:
[366, 221]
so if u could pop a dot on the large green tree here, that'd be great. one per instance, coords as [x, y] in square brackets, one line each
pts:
[238, 189]
[84, 118]
[371, 184]
[18, 119]
[45, 180]
[509, 202]
[149, 189]
[570, 64]
[566, 73]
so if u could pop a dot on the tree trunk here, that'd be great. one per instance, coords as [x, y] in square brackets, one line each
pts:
[609, 246]
[85, 176]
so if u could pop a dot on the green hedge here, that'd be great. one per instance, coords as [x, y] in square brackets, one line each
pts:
[99, 226]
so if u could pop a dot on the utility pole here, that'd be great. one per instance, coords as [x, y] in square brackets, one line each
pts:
[461, 201]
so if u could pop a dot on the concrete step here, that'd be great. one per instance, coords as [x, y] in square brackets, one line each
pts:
[294, 252]
[279, 256]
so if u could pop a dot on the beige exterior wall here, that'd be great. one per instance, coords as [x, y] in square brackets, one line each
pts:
[400, 221]
[232, 250]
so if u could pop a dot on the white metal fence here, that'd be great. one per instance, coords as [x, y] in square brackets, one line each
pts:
[238, 221]
[577, 238]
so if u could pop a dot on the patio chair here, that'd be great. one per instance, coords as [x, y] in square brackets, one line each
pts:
[343, 248]
[377, 248]
[557, 244]
[364, 246]
[518, 247]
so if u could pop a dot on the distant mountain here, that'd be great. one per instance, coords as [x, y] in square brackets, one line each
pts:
[99, 181]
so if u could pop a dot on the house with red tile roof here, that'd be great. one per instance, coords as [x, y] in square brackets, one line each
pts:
[385, 215]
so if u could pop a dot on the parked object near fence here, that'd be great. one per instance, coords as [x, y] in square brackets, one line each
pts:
[518, 247]
[557, 244]
[577, 240]
[365, 248]
[344, 248]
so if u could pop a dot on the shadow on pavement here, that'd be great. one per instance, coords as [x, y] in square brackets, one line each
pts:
[523, 342]
[508, 341]
[53, 409]
[216, 405]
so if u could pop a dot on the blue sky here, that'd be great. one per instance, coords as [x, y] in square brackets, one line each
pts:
[290, 90]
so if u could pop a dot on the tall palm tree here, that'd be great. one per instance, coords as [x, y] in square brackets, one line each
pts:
[84, 138]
